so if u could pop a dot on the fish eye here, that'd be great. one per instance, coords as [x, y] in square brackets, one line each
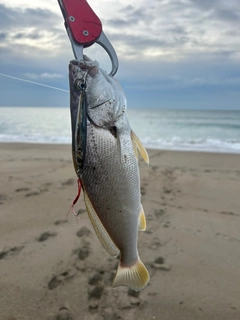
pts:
[79, 85]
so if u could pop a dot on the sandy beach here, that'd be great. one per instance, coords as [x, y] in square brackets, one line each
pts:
[53, 267]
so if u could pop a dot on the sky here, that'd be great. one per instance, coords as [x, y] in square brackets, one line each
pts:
[173, 54]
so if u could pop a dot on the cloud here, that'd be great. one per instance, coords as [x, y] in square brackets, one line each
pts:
[29, 30]
[163, 45]
[120, 22]
[219, 10]
[14, 18]
[32, 35]
[170, 83]
[175, 30]
[44, 75]
[171, 30]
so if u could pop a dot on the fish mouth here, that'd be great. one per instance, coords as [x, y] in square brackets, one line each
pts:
[83, 68]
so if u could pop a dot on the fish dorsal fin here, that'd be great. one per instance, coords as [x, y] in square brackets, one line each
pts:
[101, 232]
[142, 221]
[137, 145]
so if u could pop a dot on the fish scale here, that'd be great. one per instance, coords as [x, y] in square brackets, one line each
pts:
[113, 188]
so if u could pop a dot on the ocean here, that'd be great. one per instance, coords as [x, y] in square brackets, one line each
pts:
[211, 131]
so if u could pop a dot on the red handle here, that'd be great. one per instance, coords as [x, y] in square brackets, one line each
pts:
[84, 24]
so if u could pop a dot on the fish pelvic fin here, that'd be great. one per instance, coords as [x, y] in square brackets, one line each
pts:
[99, 229]
[136, 276]
[138, 146]
[142, 221]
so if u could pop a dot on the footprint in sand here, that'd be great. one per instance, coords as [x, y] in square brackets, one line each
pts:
[159, 212]
[229, 213]
[96, 279]
[58, 222]
[155, 243]
[64, 314]
[143, 190]
[45, 235]
[21, 189]
[3, 197]
[84, 250]
[96, 289]
[94, 296]
[166, 224]
[84, 231]
[110, 314]
[30, 194]
[134, 297]
[167, 190]
[68, 182]
[159, 264]
[58, 279]
[47, 185]
[10, 251]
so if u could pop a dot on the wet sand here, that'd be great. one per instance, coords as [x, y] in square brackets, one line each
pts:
[53, 267]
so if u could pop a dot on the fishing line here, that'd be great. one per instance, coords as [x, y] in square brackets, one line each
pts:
[37, 83]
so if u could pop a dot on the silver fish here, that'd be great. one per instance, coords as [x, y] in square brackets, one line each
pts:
[108, 170]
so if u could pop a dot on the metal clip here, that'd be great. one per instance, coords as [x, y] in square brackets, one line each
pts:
[84, 28]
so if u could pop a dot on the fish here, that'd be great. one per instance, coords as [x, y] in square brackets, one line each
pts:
[105, 157]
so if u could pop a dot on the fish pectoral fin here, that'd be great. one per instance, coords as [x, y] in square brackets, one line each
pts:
[142, 221]
[101, 232]
[137, 145]
[136, 276]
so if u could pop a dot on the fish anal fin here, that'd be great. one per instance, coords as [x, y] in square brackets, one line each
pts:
[99, 229]
[142, 221]
[136, 276]
[137, 144]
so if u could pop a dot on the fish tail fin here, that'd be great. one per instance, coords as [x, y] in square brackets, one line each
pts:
[135, 276]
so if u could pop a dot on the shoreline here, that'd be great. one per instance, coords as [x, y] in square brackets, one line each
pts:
[149, 149]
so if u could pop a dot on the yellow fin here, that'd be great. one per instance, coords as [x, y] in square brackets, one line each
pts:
[137, 144]
[135, 277]
[101, 232]
[142, 221]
